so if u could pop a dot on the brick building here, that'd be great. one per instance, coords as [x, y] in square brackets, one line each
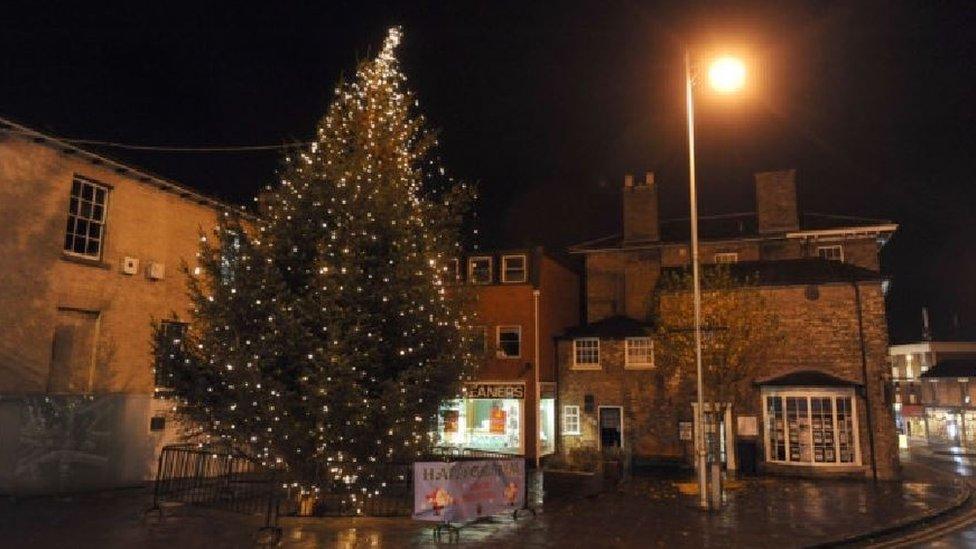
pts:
[93, 250]
[523, 298]
[820, 404]
[933, 392]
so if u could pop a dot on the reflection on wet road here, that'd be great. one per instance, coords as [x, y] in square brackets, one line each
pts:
[950, 460]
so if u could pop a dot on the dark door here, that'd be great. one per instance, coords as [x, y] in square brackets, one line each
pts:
[610, 428]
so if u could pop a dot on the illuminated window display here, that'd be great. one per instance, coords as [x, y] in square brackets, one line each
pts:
[547, 426]
[490, 418]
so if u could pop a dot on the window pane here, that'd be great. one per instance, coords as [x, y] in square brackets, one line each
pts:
[100, 196]
[587, 351]
[514, 268]
[777, 432]
[798, 425]
[73, 206]
[75, 187]
[86, 209]
[92, 248]
[87, 191]
[97, 212]
[822, 425]
[509, 342]
[79, 247]
[845, 430]
[68, 241]
[94, 230]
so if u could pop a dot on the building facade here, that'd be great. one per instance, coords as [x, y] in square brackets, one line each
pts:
[93, 252]
[819, 403]
[522, 299]
[933, 401]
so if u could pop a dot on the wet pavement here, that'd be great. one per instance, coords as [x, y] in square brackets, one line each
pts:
[953, 462]
[643, 512]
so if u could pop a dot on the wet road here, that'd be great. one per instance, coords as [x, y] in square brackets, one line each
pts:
[962, 465]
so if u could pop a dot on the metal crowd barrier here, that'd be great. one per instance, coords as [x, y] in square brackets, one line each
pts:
[218, 478]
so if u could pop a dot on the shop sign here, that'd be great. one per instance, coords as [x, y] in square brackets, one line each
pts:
[466, 490]
[495, 390]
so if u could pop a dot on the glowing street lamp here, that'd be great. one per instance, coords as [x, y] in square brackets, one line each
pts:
[726, 75]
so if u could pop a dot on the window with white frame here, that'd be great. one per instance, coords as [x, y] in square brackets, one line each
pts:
[811, 427]
[831, 253]
[727, 257]
[571, 420]
[509, 341]
[86, 218]
[479, 270]
[639, 353]
[513, 268]
[586, 352]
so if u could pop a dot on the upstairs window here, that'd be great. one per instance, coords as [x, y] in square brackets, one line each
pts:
[640, 353]
[86, 219]
[509, 341]
[476, 340]
[479, 270]
[170, 345]
[727, 257]
[586, 352]
[453, 271]
[831, 253]
[513, 268]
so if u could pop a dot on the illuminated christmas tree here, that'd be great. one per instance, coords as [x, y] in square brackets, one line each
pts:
[324, 337]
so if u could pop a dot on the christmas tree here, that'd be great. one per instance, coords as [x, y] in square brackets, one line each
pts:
[324, 337]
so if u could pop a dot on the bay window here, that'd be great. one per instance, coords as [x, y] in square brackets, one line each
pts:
[811, 426]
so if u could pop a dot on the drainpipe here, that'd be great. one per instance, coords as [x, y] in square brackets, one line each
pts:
[864, 375]
[535, 370]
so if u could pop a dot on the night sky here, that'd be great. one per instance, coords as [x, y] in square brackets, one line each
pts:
[547, 107]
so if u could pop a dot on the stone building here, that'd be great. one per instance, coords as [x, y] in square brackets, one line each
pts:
[522, 298]
[93, 251]
[819, 403]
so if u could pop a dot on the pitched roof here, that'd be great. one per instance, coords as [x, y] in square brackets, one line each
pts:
[614, 327]
[142, 176]
[784, 272]
[952, 367]
[729, 227]
[806, 378]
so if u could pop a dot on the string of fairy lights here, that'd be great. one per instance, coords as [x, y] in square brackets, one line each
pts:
[326, 333]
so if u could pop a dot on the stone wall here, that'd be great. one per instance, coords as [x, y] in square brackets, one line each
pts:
[821, 332]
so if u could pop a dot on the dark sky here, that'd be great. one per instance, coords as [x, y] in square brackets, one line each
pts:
[546, 107]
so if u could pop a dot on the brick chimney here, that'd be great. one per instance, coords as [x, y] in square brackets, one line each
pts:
[776, 201]
[640, 210]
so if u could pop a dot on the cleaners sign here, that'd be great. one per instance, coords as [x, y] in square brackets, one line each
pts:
[464, 490]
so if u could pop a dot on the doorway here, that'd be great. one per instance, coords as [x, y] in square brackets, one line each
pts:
[611, 427]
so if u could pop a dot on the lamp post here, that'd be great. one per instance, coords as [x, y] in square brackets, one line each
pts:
[726, 75]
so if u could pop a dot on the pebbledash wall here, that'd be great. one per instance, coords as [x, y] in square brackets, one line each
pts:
[76, 364]
[817, 309]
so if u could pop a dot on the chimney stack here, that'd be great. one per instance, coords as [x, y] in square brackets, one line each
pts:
[640, 210]
[776, 201]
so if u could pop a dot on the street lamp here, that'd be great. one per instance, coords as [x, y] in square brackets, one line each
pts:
[726, 75]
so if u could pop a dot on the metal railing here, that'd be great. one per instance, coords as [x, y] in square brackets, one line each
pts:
[218, 478]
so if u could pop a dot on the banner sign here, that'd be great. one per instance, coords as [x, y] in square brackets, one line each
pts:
[495, 390]
[465, 490]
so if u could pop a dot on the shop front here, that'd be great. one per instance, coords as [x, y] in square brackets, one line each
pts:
[492, 416]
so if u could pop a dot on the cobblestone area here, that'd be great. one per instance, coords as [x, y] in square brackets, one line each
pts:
[644, 512]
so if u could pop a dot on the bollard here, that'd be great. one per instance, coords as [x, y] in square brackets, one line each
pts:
[715, 486]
